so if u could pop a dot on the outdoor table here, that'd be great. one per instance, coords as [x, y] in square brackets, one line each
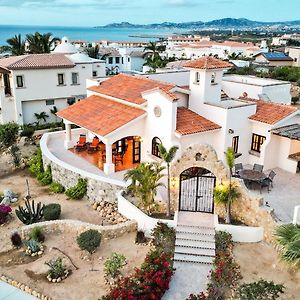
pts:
[252, 176]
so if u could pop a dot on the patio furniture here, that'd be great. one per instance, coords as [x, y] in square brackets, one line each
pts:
[94, 145]
[81, 144]
[237, 168]
[252, 176]
[257, 167]
[270, 178]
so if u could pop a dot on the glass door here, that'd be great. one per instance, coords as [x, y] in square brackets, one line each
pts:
[136, 150]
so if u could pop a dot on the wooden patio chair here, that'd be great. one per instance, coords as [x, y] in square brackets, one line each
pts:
[94, 145]
[81, 144]
[237, 167]
[257, 167]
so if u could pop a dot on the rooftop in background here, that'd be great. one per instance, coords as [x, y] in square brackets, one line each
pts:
[129, 88]
[189, 122]
[275, 56]
[36, 61]
[290, 131]
[253, 80]
[207, 62]
[100, 115]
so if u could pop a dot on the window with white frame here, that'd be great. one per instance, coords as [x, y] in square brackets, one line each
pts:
[117, 60]
[50, 102]
[213, 78]
[75, 78]
[95, 73]
[110, 60]
[20, 81]
[61, 78]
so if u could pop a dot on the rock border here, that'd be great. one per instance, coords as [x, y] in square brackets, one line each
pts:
[21, 286]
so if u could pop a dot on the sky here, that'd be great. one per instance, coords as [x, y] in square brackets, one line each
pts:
[101, 12]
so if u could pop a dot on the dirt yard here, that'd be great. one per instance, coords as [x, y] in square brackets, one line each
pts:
[82, 283]
[260, 260]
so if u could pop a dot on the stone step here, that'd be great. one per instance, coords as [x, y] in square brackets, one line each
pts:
[193, 258]
[194, 251]
[196, 226]
[195, 244]
[196, 230]
[195, 237]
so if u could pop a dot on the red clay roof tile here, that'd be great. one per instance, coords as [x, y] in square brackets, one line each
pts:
[207, 62]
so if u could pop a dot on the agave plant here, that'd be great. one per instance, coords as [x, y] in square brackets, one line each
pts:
[30, 213]
[33, 246]
[57, 268]
[288, 239]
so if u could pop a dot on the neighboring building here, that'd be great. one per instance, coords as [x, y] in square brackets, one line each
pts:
[273, 59]
[236, 86]
[134, 114]
[35, 83]
[121, 44]
[184, 39]
[282, 40]
[122, 59]
[294, 53]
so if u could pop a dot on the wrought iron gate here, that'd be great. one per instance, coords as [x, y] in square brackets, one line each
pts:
[197, 190]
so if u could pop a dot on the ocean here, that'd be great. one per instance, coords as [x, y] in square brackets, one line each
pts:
[82, 33]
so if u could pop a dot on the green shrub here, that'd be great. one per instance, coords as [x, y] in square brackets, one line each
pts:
[260, 290]
[30, 213]
[52, 211]
[295, 100]
[8, 133]
[78, 191]
[57, 268]
[37, 234]
[89, 240]
[36, 163]
[27, 131]
[45, 178]
[16, 155]
[56, 187]
[113, 264]
[164, 238]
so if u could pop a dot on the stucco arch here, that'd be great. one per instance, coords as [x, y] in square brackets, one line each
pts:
[198, 155]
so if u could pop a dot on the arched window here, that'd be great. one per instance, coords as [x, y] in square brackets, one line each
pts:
[155, 142]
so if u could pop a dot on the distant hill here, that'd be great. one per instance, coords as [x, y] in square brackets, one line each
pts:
[221, 23]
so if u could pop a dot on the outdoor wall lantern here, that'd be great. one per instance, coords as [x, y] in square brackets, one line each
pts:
[230, 131]
[199, 157]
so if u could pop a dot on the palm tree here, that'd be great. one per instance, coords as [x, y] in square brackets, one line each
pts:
[288, 239]
[41, 43]
[227, 193]
[168, 157]
[145, 179]
[53, 112]
[93, 52]
[154, 49]
[16, 45]
[41, 116]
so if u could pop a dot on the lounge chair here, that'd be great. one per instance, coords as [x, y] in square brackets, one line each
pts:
[94, 145]
[237, 167]
[81, 144]
[257, 167]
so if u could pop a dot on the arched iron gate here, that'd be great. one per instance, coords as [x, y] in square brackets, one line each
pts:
[197, 190]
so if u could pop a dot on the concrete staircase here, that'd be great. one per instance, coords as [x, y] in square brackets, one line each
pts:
[195, 241]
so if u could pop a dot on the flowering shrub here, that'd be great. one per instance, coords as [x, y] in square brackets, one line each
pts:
[152, 279]
[225, 274]
[4, 212]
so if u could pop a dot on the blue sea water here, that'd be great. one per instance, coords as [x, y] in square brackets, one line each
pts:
[83, 33]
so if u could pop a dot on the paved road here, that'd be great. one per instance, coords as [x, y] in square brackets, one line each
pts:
[9, 292]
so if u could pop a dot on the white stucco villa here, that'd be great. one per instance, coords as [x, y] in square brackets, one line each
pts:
[35, 83]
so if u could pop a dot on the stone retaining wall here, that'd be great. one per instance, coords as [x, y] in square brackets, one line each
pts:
[96, 190]
[251, 211]
[63, 226]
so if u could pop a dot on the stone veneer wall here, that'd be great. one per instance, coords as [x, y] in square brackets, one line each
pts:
[199, 155]
[63, 226]
[251, 211]
[96, 190]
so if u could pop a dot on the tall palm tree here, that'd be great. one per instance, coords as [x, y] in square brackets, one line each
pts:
[145, 179]
[93, 52]
[168, 157]
[16, 45]
[41, 43]
[41, 116]
[154, 49]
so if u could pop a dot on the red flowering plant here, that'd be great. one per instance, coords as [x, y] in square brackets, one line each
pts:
[152, 279]
[5, 210]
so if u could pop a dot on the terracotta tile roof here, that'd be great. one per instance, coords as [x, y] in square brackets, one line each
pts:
[207, 62]
[189, 122]
[129, 88]
[270, 112]
[36, 61]
[100, 115]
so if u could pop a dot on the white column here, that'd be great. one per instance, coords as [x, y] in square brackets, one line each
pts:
[296, 219]
[68, 141]
[109, 167]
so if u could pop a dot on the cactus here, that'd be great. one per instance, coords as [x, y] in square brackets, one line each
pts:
[30, 213]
